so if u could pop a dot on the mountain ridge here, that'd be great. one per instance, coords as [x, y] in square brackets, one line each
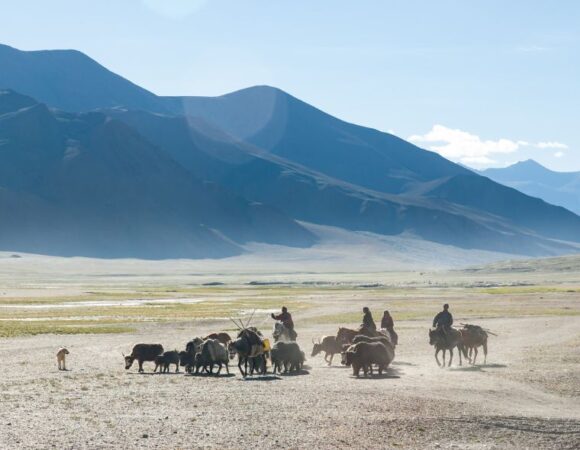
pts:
[282, 159]
[532, 178]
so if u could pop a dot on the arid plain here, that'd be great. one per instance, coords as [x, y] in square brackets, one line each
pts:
[527, 395]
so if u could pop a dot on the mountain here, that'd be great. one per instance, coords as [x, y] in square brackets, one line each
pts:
[530, 177]
[84, 184]
[311, 196]
[70, 80]
[259, 159]
[285, 126]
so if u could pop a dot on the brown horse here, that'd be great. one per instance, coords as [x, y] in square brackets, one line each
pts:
[446, 340]
[346, 335]
[473, 337]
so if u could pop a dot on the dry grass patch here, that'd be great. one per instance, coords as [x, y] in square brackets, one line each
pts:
[25, 328]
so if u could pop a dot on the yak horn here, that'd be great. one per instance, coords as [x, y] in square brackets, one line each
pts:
[313, 341]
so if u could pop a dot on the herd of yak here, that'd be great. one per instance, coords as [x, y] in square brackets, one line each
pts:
[361, 349]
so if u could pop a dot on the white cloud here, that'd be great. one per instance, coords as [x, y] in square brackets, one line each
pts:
[557, 145]
[464, 146]
[468, 148]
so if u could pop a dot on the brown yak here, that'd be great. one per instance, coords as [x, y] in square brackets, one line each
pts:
[473, 337]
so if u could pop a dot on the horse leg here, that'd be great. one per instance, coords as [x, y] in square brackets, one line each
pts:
[436, 357]
[240, 360]
[331, 358]
[459, 350]
[485, 352]
[451, 357]
[475, 352]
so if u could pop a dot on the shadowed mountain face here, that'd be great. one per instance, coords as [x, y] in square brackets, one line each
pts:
[558, 188]
[311, 196]
[287, 127]
[83, 184]
[199, 176]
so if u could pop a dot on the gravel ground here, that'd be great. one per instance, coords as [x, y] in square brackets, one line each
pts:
[507, 403]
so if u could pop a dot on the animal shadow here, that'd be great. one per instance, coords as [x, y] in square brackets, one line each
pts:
[261, 378]
[390, 374]
[335, 366]
[494, 366]
[402, 363]
[466, 369]
[296, 373]
[211, 375]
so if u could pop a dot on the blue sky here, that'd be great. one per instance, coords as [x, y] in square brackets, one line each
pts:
[483, 83]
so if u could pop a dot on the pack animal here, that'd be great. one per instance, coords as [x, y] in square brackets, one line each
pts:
[364, 354]
[474, 336]
[194, 346]
[329, 345]
[223, 337]
[446, 340]
[346, 335]
[142, 353]
[287, 355]
[186, 360]
[282, 333]
[386, 340]
[165, 360]
[212, 353]
[250, 350]
[61, 358]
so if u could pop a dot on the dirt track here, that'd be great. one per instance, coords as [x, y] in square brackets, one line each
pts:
[508, 403]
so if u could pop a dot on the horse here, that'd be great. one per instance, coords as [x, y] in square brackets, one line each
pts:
[282, 333]
[446, 340]
[473, 337]
[346, 335]
[250, 350]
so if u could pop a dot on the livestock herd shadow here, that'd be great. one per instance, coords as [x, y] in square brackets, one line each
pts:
[267, 377]
[392, 373]
[210, 375]
[477, 367]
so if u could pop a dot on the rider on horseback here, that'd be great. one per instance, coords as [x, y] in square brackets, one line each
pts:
[286, 319]
[444, 319]
[368, 321]
[387, 323]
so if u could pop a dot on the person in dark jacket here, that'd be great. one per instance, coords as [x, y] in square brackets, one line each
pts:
[286, 319]
[444, 319]
[368, 321]
[388, 324]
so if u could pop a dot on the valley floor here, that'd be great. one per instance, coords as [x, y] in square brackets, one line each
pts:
[527, 395]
